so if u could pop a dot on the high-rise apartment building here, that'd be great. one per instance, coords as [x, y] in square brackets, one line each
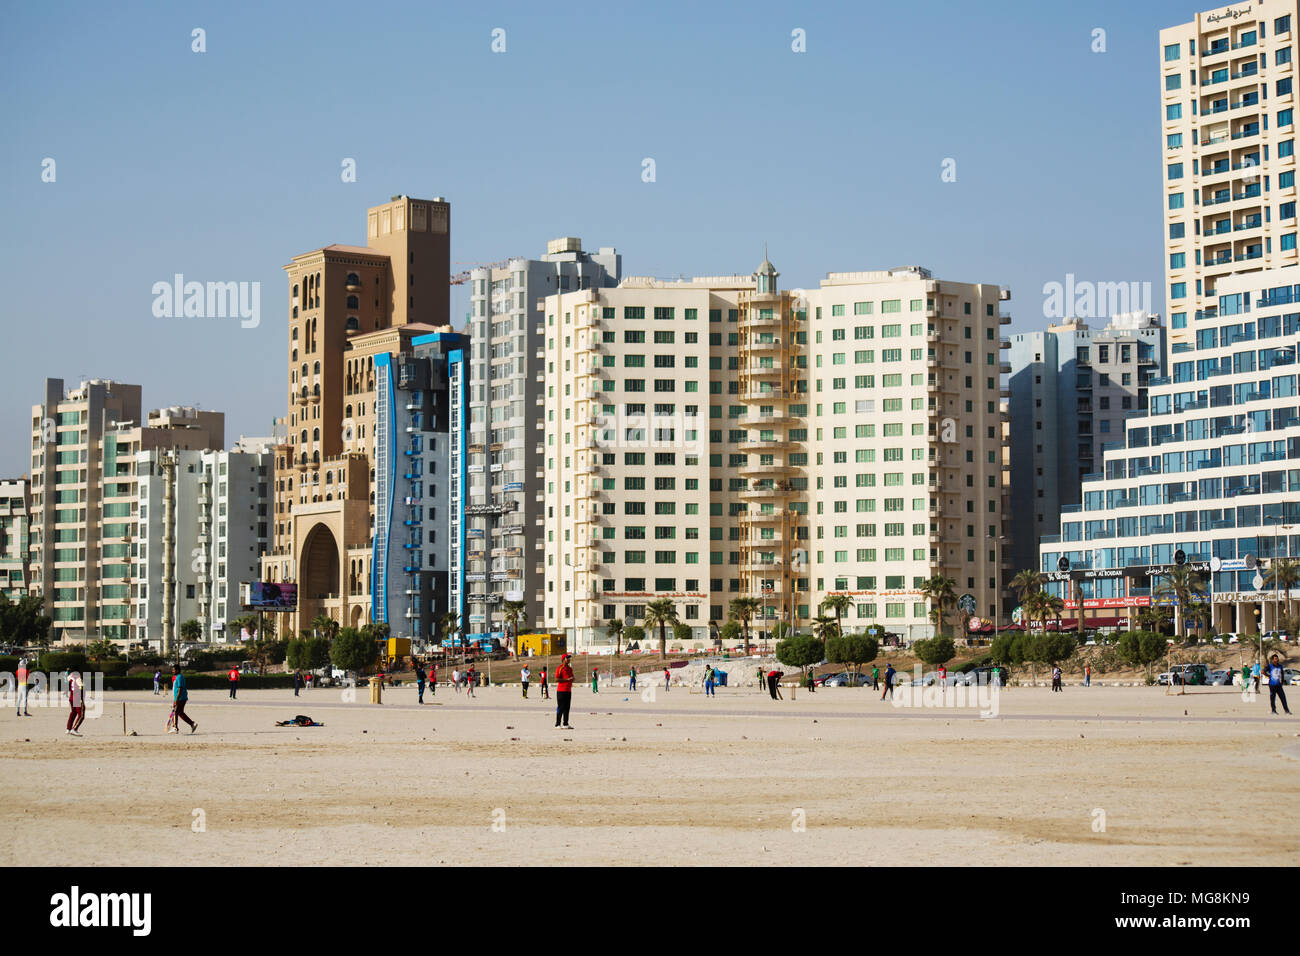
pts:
[1228, 144]
[420, 414]
[1211, 470]
[1071, 389]
[83, 498]
[210, 512]
[717, 438]
[347, 306]
[507, 385]
[1202, 475]
[15, 561]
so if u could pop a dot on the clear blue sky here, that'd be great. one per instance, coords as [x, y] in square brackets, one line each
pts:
[223, 165]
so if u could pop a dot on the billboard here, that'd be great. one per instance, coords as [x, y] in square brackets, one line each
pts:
[271, 596]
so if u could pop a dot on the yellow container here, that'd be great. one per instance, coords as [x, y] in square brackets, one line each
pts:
[540, 645]
[399, 647]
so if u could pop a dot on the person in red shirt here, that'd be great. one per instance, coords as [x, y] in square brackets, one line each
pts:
[546, 688]
[234, 681]
[563, 692]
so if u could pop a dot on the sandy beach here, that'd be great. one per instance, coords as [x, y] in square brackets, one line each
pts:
[1091, 776]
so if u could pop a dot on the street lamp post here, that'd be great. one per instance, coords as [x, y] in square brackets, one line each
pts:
[1276, 522]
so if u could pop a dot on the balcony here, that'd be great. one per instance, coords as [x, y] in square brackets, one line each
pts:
[753, 419]
[754, 319]
[764, 492]
[761, 446]
[769, 470]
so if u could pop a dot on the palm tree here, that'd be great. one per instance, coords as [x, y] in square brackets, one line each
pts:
[824, 626]
[1283, 574]
[941, 592]
[661, 614]
[1053, 605]
[515, 613]
[743, 610]
[1153, 618]
[325, 625]
[840, 604]
[450, 622]
[1026, 583]
[1185, 586]
[1199, 616]
[615, 630]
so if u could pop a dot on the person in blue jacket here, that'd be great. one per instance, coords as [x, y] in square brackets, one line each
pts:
[180, 695]
[1276, 678]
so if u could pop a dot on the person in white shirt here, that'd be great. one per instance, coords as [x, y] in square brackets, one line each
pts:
[455, 679]
[524, 676]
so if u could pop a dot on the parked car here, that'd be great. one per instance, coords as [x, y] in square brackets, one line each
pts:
[1220, 677]
[933, 678]
[978, 677]
[1185, 674]
[846, 680]
[1290, 675]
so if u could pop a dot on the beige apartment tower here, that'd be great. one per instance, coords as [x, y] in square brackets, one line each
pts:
[1227, 116]
[84, 538]
[720, 437]
[347, 304]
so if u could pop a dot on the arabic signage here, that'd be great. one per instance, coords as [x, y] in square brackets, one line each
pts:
[1227, 15]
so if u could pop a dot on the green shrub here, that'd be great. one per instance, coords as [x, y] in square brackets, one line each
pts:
[58, 661]
[800, 650]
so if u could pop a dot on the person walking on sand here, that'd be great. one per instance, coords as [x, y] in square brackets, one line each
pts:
[419, 683]
[631, 677]
[469, 681]
[455, 678]
[773, 687]
[22, 688]
[1276, 678]
[1087, 675]
[668, 679]
[1254, 675]
[157, 681]
[546, 687]
[563, 692]
[297, 682]
[595, 677]
[233, 676]
[180, 696]
[762, 681]
[433, 680]
[709, 682]
[889, 683]
[524, 676]
[77, 703]
[1056, 679]
[875, 677]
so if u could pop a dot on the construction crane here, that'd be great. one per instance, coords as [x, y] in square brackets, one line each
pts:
[460, 278]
